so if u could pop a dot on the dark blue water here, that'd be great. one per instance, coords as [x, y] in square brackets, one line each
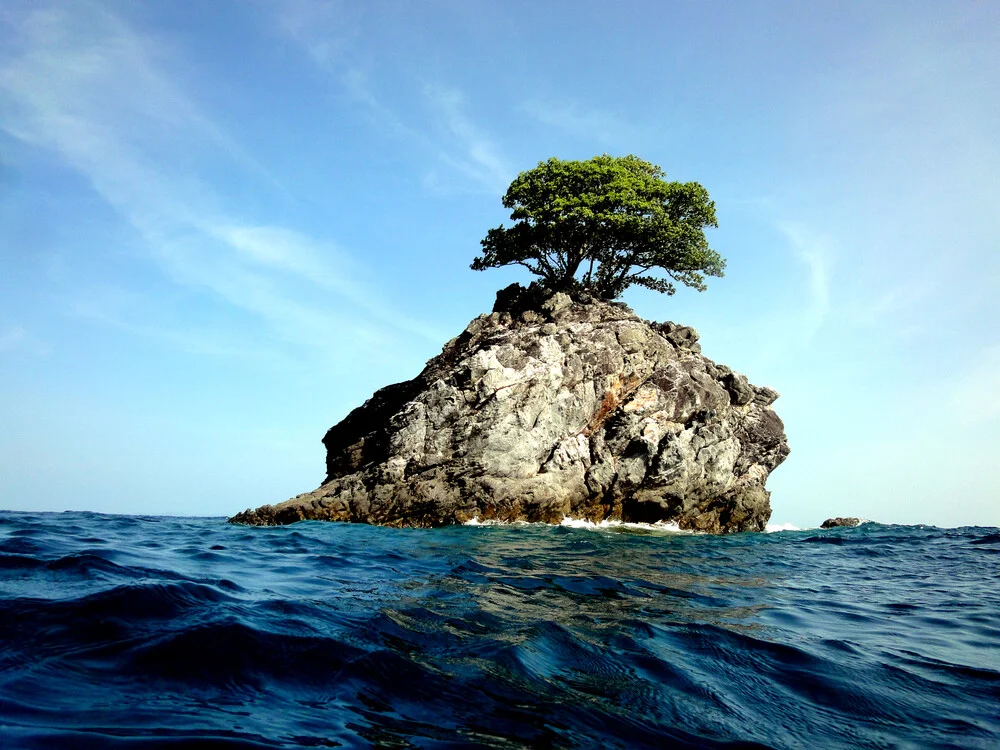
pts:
[121, 631]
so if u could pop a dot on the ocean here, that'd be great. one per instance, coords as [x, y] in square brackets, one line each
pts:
[147, 632]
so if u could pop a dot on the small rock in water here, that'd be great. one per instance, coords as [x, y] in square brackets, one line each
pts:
[832, 523]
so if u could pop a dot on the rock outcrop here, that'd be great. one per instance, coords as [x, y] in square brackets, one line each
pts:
[833, 523]
[549, 407]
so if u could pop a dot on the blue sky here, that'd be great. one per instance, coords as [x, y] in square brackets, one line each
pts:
[224, 225]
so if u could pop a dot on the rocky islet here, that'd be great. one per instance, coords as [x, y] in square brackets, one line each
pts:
[834, 523]
[554, 406]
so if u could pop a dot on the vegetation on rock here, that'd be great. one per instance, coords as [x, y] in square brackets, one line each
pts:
[604, 224]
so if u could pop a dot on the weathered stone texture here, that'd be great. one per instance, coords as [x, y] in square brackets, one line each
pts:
[551, 407]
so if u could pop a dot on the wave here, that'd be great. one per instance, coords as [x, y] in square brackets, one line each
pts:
[199, 633]
[776, 527]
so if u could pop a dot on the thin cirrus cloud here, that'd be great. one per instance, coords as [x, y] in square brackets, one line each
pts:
[11, 337]
[815, 252]
[324, 32]
[283, 251]
[358, 85]
[16, 338]
[474, 152]
[65, 92]
[451, 138]
[581, 123]
[324, 28]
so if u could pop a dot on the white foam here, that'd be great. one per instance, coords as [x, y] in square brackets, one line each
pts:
[582, 523]
[474, 521]
[772, 527]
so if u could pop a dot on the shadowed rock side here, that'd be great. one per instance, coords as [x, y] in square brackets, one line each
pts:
[552, 407]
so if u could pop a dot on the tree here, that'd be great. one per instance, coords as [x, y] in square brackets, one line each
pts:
[611, 219]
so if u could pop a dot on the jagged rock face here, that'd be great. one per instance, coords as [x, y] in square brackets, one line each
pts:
[552, 407]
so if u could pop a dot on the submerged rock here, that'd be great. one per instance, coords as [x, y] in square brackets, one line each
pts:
[548, 407]
[832, 523]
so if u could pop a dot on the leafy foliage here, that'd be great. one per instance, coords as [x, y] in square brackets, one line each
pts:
[612, 220]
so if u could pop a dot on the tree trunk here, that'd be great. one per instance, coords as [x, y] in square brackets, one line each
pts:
[572, 265]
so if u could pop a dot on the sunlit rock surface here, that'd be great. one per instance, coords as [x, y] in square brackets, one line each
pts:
[549, 407]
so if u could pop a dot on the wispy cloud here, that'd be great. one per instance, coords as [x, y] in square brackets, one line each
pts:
[85, 87]
[12, 337]
[450, 136]
[199, 340]
[473, 152]
[588, 125]
[815, 251]
[899, 308]
[283, 251]
[444, 130]
[359, 86]
[15, 338]
[322, 27]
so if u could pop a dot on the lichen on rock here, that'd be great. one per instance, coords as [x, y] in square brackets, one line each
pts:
[554, 406]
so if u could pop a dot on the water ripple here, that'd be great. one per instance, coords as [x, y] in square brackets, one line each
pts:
[166, 632]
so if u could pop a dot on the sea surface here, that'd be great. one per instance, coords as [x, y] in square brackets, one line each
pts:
[145, 632]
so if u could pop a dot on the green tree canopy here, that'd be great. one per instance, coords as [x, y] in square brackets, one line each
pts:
[613, 220]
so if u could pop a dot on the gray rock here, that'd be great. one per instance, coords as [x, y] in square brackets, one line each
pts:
[832, 523]
[765, 396]
[554, 406]
[683, 337]
[739, 388]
